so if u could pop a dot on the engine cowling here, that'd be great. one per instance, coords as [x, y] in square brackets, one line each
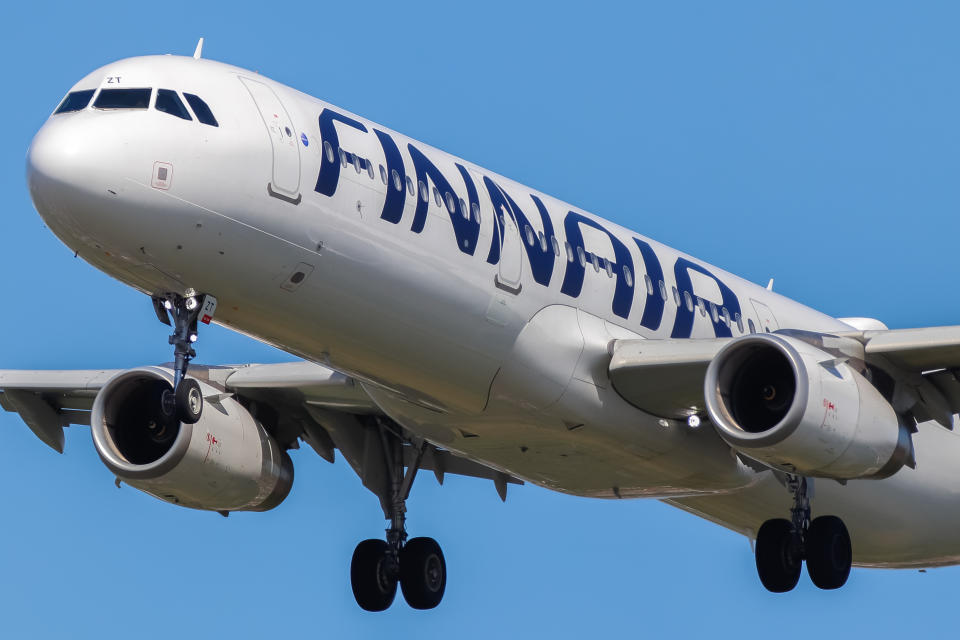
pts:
[225, 462]
[795, 407]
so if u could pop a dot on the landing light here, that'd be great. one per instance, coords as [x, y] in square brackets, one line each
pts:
[693, 421]
[191, 303]
[193, 337]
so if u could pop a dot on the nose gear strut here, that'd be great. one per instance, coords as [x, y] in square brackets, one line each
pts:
[185, 401]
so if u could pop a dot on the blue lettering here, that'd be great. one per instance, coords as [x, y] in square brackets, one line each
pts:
[465, 228]
[539, 255]
[330, 170]
[653, 308]
[573, 278]
[683, 325]
[393, 205]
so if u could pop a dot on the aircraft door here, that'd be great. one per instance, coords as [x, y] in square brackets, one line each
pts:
[285, 181]
[768, 323]
[511, 255]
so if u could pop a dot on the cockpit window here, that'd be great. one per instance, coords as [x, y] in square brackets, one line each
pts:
[169, 102]
[123, 99]
[201, 110]
[75, 101]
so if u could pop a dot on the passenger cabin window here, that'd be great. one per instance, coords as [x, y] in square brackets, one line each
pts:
[383, 175]
[423, 191]
[627, 276]
[328, 149]
[753, 329]
[556, 245]
[169, 102]
[476, 212]
[75, 101]
[201, 110]
[123, 99]
[663, 290]
[409, 186]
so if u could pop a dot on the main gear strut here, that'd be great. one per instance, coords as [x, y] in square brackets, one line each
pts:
[783, 545]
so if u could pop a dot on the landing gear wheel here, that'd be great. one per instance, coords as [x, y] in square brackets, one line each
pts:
[373, 586]
[829, 554]
[188, 401]
[423, 573]
[778, 560]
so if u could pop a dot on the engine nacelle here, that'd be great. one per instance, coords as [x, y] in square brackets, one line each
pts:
[795, 407]
[225, 462]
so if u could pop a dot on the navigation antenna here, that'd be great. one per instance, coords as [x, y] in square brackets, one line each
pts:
[199, 50]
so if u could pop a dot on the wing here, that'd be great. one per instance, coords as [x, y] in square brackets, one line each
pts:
[665, 377]
[294, 401]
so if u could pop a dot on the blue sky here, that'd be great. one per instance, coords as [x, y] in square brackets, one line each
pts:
[813, 142]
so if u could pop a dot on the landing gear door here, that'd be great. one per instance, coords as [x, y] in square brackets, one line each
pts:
[285, 181]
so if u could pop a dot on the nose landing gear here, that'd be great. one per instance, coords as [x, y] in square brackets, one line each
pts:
[184, 402]
[782, 546]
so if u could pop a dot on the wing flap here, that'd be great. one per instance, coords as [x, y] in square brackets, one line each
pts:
[663, 377]
[320, 386]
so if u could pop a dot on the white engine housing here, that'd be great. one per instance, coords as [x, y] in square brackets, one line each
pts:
[794, 407]
[225, 462]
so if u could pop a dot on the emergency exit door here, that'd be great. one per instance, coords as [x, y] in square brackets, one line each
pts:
[285, 180]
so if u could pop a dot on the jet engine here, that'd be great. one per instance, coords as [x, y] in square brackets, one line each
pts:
[225, 462]
[797, 408]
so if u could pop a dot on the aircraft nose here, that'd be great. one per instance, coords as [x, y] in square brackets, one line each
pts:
[70, 165]
[57, 158]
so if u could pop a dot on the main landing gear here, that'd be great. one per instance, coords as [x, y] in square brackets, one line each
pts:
[184, 403]
[417, 565]
[782, 546]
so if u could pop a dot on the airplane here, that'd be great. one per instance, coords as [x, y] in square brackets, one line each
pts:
[451, 320]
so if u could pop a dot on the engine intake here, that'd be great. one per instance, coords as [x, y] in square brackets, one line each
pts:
[225, 462]
[795, 407]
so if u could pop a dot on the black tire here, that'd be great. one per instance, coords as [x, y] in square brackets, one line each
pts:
[778, 560]
[373, 587]
[189, 401]
[168, 405]
[829, 553]
[423, 573]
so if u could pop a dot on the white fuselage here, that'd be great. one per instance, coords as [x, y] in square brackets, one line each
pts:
[480, 320]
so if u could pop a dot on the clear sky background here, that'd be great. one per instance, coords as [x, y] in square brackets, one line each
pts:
[812, 142]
